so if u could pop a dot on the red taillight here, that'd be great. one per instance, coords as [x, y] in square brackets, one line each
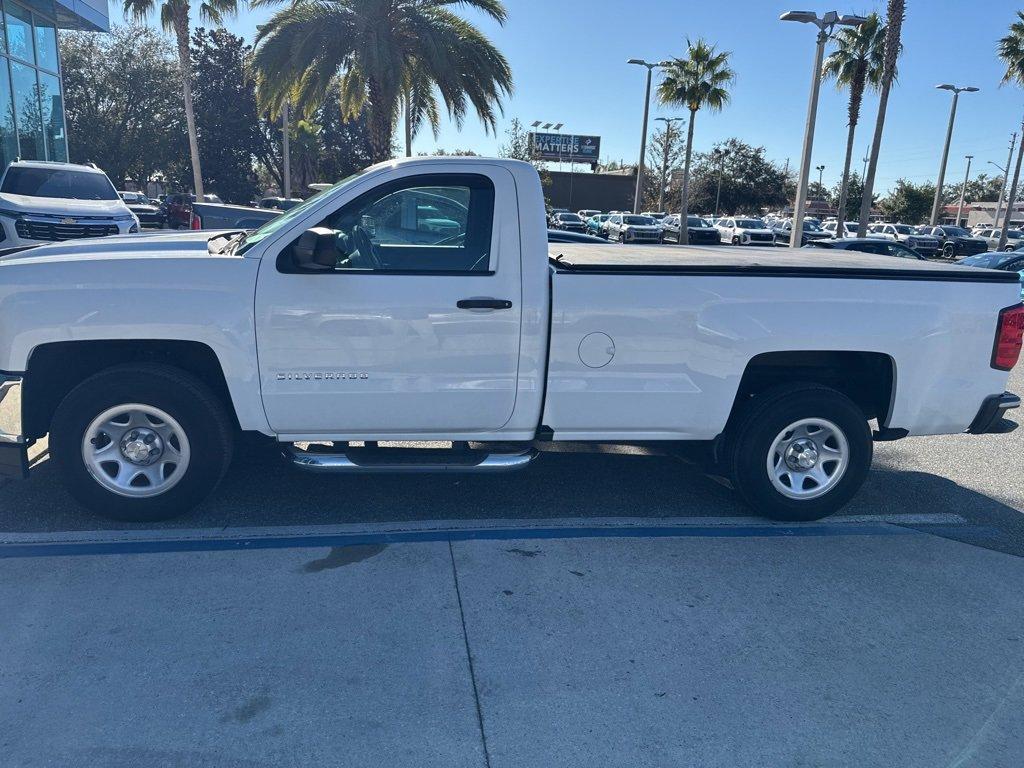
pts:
[196, 222]
[1009, 336]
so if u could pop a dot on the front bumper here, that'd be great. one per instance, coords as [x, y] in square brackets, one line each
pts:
[13, 443]
[990, 415]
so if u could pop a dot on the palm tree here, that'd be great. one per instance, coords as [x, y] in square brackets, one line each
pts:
[419, 105]
[856, 63]
[894, 13]
[372, 45]
[174, 18]
[700, 80]
[1011, 52]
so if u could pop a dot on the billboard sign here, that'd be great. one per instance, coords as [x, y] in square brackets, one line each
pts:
[565, 147]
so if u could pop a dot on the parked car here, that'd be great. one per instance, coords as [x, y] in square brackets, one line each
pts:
[595, 225]
[740, 230]
[565, 236]
[1014, 238]
[183, 212]
[278, 203]
[849, 228]
[47, 201]
[954, 241]
[658, 216]
[149, 212]
[926, 245]
[868, 245]
[570, 222]
[633, 228]
[586, 213]
[699, 231]
[1012, 261]
[783, 232]
[603, 345]
[554, 212]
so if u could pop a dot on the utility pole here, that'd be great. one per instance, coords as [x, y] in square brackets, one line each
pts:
[1006, 180]
[864, 168]
[1011, 200]
[721, 169]
[963, 189]
[286, 170]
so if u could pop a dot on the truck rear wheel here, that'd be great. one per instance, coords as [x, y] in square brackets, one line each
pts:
[141, 442]
[799, 452]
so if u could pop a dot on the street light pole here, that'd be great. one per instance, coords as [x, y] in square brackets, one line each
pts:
[1006, 179]
[722, 153]
[667, 149]
[963, 189]
[945, 150]
[643, 135]
[1011, 198]
[825, 25]
[821, 170]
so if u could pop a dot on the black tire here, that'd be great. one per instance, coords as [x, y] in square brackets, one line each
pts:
[622, 237]
[948, 251]
[735, 240]
[752, 432]
[188, 400]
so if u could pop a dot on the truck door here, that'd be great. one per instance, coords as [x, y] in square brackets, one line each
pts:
[398, 312]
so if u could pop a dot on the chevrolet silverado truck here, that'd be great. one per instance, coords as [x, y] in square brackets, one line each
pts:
[353, 322]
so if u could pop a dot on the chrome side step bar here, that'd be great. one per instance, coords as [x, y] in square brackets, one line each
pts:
[407, 460]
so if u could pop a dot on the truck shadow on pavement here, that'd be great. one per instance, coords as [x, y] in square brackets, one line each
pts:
[261, 490]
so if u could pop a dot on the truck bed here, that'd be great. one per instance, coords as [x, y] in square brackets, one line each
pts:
[759, 262]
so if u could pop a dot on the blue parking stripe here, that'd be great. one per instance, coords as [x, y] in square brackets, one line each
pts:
[228, 543]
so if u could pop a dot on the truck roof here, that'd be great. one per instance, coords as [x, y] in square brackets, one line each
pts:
[759, 262]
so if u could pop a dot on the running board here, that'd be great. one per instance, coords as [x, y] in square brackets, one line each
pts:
[407, 460]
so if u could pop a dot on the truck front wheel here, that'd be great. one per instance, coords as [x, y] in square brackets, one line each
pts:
[799, 452]
[141, 442]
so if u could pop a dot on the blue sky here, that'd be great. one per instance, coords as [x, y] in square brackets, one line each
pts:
[568, 61]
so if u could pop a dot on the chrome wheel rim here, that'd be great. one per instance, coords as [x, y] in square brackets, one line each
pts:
[136, 450]
[808, 459]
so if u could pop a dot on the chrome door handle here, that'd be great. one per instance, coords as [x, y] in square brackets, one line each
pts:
[484, 303]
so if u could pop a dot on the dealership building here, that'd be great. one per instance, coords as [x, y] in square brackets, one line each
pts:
[32, 106]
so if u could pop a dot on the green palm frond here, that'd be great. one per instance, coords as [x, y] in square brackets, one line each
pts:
[701, 80]
[1011, 51]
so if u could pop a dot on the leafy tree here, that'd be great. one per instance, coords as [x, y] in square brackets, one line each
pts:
[895, 11]
[345, 145]
[374, 46]
[700, 80]
[665, 149]
[856, 63]
[226, 119]
[174, 17]
[854, 193]
[122, 102]
[908, 202]
[982, 188]
[750, 182]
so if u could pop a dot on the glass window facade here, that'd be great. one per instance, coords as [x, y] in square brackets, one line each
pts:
[31, 101]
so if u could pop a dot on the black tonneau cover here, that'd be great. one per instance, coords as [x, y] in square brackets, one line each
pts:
[576, 258]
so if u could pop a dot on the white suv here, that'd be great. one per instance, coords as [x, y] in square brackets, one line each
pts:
[740, 230]
[43, 201]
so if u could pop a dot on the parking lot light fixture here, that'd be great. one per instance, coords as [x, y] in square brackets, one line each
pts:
[825, 25]
[945, 149]
[643, 134]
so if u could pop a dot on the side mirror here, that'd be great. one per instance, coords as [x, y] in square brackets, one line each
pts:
[315, 250]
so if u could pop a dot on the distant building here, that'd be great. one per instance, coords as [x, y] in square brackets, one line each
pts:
[983, 214]
[32, 111]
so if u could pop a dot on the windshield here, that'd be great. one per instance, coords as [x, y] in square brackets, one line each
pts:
[904, 229]
[285, 219]
[956, 231]
[811, 226]
[696, 221]
[58, 183]
[568, 217]
[750, 223]
[639, 221]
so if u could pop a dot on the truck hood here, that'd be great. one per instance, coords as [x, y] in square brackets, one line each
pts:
[163, 245]
[53, 206]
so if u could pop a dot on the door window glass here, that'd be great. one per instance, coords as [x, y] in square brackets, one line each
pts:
[435, 223]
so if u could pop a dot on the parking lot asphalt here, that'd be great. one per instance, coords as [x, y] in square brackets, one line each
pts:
[616, 610]
[975, 481]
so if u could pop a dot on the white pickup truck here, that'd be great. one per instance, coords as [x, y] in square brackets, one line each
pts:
[420, 301]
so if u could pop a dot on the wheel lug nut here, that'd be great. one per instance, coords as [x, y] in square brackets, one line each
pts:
[148, 439]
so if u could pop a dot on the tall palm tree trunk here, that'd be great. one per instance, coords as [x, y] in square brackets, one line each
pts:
[844, 186]
[684, 212]
[381, 122]
[893, 31]
[185, 63]
[407, 114]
